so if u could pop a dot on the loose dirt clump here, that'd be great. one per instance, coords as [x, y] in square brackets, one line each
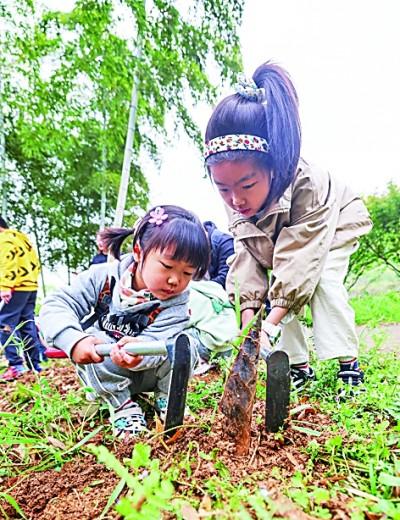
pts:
[79, 490]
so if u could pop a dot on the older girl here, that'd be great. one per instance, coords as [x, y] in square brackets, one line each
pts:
[289, 218]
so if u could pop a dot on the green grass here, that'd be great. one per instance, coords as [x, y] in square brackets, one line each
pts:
[363, 448]
[360, 457]
[378, 280]
[373, 309]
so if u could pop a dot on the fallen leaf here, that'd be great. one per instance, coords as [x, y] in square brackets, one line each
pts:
[206, 503]
[159, 424]
[292, 459]
[56, 443]
[373, 516]
[189, 512]
[177, 435]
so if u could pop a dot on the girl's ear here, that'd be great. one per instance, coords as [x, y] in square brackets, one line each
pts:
[137, 253]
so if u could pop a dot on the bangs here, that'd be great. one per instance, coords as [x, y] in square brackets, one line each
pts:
[188, 242]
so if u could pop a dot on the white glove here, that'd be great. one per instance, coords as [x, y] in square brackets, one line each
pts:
[265, 345]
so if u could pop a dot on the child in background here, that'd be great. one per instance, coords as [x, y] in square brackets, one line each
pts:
[221, 249]
[19, 272]
[149, 301]
[289, 217]
[101, 256]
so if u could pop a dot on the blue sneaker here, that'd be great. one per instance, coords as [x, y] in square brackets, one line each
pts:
[350, 373]
[161, 405]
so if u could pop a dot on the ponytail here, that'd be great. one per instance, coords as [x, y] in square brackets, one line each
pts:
[282, 122]
[113, 239]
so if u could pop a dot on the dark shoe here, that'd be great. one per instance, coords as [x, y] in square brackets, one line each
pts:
[350, 373]
[301, 377]
[352, 378]
[12, 373]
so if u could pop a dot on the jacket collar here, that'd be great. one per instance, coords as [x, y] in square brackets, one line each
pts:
[282, 205]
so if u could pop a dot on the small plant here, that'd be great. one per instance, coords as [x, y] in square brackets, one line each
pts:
[149, 492]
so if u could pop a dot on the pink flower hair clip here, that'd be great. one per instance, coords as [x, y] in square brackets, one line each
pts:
[158, 216]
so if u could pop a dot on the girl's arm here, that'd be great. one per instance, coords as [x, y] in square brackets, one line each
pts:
[301, 248]
[276, 315]
[62, 311]
[249, 278]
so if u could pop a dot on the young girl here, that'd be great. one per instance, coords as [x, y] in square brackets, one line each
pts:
[148, 299]
[289, 217]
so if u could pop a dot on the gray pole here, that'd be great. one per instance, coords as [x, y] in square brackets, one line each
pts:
[103, 200]
[126, 167]
[3, 194]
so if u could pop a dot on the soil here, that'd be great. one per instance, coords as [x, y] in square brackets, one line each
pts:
[80, 489]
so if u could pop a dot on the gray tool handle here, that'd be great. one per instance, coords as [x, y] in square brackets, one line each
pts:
[142, 348]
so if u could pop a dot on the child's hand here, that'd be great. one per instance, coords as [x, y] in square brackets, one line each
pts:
[85, 352]
[265, 345]
[122, 358]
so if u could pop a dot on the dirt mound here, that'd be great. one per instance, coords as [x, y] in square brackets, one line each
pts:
[81, 488]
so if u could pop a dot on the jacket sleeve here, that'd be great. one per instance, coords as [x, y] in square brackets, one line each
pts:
[62, 312]
[168, 324]
[225, 250]
[301, 248]
[251, 278]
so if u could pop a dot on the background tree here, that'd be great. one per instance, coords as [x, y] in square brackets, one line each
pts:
[382, 245]
[67, 79]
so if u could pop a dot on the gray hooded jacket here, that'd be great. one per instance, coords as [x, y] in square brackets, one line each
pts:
[62, 312]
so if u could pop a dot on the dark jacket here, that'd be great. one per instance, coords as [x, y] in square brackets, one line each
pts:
[99, 258]
[221, 249]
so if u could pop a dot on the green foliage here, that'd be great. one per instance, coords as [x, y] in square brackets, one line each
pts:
[382, 244]
[42, 425]
[373, 309]
[352, 456]
[149, 491]
[66, 94]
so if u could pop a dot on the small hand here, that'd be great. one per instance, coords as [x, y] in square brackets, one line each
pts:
[120, 357]
[265, 345]
[6, 295]
[85, 352]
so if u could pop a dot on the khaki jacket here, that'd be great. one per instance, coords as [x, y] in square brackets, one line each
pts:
[316, 214]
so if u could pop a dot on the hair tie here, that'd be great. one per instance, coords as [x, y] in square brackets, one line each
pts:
[158, 216]
[247, 88]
